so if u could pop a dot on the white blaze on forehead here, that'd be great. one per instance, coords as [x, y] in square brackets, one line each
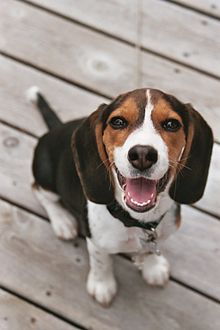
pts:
[145, 135]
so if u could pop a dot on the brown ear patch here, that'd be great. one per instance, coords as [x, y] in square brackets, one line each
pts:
[178, 217]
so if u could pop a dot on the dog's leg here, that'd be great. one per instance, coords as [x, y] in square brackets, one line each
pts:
[101, 283]
[63, 222]
[155, 269]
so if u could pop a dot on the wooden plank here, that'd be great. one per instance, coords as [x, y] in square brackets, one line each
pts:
[68, 101]
[181, 34]
[71, 102]
[194, 252]
[53, 273]
[16, 152]
[16, 314]
[210, 7]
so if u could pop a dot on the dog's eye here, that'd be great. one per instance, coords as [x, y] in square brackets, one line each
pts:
[171, 125]
[118, 123]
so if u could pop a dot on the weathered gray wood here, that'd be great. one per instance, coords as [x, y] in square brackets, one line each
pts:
[16, 314]
[168, 29]
[68, 101]
[99, 63]
[53, 273]
[16, 152]
[194, 252]
[211, 7]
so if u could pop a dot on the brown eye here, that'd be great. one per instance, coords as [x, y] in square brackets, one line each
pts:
[118, 123]
[171, 125]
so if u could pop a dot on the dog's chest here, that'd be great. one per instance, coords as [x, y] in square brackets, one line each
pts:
[111, 235]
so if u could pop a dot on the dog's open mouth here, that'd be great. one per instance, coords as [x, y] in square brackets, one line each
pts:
[141, 193]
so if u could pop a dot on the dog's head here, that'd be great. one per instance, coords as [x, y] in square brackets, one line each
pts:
[144, 142]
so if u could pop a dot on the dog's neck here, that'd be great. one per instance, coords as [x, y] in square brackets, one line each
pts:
[118, 212]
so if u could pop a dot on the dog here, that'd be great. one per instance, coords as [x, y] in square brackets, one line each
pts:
[118, 178]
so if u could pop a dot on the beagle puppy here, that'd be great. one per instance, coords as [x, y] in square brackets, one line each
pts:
[118, 178]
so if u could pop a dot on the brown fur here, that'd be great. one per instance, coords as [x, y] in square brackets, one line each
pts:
[178, 218]
[114, 138]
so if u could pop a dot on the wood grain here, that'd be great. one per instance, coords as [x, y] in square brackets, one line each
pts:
[16, 152]
[194, 252]
[15, 314]
[68, 101]
[53, 273]
[168, 29]
[71, 102]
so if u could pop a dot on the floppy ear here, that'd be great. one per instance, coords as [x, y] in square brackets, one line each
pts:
[190, 181]
[91, 159]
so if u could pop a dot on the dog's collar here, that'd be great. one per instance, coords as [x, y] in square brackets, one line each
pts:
[118, 212]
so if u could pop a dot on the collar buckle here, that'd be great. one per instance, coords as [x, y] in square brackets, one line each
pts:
[151, 239]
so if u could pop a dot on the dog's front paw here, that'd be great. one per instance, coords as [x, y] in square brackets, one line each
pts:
[156, 270]
[102, 290]
[64, 225]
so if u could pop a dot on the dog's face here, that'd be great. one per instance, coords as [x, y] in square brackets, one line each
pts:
[140, 144]
[144, 139]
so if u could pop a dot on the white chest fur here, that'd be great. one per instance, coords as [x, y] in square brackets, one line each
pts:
[111, 235]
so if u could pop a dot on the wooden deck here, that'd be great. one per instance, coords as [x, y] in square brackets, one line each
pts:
[81, 53]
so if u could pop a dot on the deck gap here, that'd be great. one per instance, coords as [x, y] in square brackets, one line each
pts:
[189, 287]
[31, 212]
[193, 9]
[179, 282]
[124, 41]
[212, 214]
[43, 308]
[26, 209]
[21, 130]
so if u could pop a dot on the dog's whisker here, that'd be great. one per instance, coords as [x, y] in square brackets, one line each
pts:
[103, 162]
[177, 163]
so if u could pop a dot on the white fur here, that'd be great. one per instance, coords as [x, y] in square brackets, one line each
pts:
[101, 283]
[156, 270]
[63, 222]
[32, 94]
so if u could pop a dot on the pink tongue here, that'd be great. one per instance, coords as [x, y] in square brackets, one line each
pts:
[141, 190]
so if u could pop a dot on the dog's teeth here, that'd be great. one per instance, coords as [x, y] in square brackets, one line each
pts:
[134, 202]
[137, 203]
[152, 195]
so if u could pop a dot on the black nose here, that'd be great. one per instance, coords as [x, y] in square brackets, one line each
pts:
[142, 157]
